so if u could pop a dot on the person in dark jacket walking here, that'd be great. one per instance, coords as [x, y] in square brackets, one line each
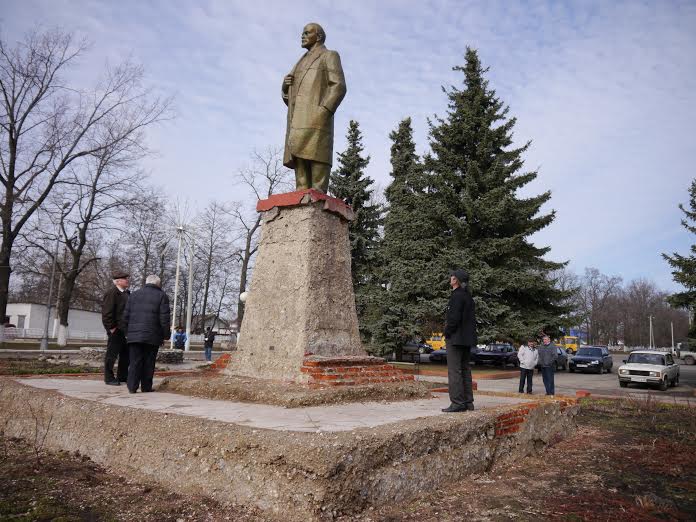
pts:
[208, 341]
[460, 336]
[547, 361]
[146, 322]
[113, 305]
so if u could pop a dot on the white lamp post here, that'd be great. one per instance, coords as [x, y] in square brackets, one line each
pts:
[189, 301]
[180, 233]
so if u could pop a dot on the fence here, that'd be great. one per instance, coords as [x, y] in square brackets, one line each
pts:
[76, 335]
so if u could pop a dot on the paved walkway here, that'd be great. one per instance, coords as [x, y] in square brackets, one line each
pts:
[343, 417]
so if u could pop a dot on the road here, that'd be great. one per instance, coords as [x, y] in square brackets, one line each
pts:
[606, 384]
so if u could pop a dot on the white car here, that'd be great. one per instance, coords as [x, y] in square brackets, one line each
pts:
[649, 367]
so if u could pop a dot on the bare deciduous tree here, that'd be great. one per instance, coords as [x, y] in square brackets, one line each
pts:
[214, 249]
[265, 176]
[595, 294]
[46, 125]
[148, 238]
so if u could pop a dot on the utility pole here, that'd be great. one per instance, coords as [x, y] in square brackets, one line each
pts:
[44, 339]
[189, 302]
[59, 228]
[651, 340]
[180, 233]
[671, 326]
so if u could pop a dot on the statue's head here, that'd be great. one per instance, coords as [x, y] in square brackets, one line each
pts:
[312, 35]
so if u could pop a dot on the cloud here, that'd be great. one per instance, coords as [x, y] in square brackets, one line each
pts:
[606, 92]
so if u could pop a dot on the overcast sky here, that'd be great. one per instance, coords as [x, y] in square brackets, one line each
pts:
[606, 91]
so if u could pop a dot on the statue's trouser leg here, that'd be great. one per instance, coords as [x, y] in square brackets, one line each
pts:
[321, 172]
[303, 174]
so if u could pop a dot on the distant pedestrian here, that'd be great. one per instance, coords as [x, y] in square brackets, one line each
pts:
[180, 338]
[113, 305]
[146, 321]
[528, 356]
[460, 336]
[547, 361]
[208, 341]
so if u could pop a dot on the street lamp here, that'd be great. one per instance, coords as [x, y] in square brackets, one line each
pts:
[180, 233]
[189, 301]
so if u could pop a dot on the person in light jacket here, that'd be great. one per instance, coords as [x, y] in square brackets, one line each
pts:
[528, 356]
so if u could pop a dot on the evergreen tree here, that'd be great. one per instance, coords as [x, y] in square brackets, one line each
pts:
[684, 267]
[350, 184]
[413, 292]
[478, 177]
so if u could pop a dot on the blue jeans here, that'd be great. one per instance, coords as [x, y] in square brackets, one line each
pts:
[547, 373]
[208, 353]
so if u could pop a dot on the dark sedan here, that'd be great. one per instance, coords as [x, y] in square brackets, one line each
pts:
[497, 354]
[416, 347]
[439, 356]
[591, 359]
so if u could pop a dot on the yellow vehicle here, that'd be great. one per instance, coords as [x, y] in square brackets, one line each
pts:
[570, 342]
[436, 340]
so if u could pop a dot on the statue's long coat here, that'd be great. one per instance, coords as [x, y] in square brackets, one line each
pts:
[317, 90]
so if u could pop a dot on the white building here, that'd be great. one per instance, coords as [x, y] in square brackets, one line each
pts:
[30, 321]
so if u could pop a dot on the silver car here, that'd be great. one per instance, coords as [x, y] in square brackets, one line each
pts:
[649, 367]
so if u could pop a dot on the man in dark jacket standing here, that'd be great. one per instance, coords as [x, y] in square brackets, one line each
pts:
[460, 336]
[146, 322]
[113, 305]
[208, 341]
[547, 361]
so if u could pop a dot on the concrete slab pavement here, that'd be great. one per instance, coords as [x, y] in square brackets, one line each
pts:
[331, 418]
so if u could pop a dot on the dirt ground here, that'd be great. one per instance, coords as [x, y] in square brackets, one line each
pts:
[628, 460]
[53, 365]
[289, 395]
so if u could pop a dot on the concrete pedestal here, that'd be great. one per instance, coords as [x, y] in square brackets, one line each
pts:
[301, 301]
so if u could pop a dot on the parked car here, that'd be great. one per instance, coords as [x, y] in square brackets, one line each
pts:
[439, 356]
[649, 367]
[416, 347]
[592, 359]
[498, 353]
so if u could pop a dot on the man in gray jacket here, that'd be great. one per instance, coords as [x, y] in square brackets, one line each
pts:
[547, 361]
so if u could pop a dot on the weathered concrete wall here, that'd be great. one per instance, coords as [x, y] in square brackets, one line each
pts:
[301, 297]
[297, 476]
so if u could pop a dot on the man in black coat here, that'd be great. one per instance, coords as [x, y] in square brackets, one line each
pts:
[146, 322]
[460, 336]
[113, 305]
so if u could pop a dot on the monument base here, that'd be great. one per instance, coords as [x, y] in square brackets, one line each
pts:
[301, 300]
[347, 371]
[304, 464]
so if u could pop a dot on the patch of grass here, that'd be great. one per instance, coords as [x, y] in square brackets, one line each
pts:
[674, 422]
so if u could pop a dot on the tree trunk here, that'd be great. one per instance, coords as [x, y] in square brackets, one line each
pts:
[205, 291]
[5, 271]
[242, 288]
[69, 280]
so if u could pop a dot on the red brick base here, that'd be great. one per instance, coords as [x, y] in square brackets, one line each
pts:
[221, 362]
[513, 421]
[351, 371]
